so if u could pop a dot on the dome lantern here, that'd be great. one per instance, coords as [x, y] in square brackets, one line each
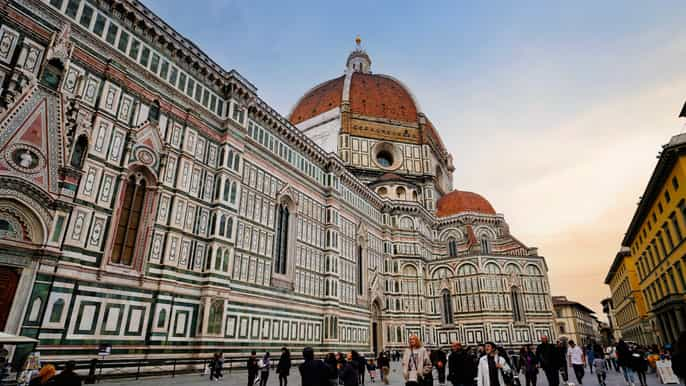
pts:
[358, 60]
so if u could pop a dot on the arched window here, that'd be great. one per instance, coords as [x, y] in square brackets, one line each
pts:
[222, 156]
[360, 271]
[79, 153]
[452, 247]
[57, 310]
[214, 324]
[485, 245]
[217, 187]
[161, 318]
[227, 185]
[130, 219]
[222, 225]
[229, 160]
[225, 261]
[234, 189]
[236, 161]
[154, 112]
[281, 247]
[400, 193]
[382, 191]
[218, 259]
[447, 304]
[517, 309]
[229, 228]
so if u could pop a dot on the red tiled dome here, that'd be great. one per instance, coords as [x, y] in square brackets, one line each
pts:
[371, 95]
[459, 201]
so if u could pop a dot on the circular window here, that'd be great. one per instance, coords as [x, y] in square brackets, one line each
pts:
[384, 158]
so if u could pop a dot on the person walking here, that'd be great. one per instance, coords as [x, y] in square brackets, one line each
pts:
[491, 367]
[252, 367]
[590, 357]
[283, 368]
[577, 358]
[639, 364]
[461, 366]
[528, 365]
[216, 367]
[360, 363]
[68, 376]
[264, 365]
[564, 365]
[600, 365]
[679, 358]
[332, 369]
[350, 374]
[624, 361]
[371, 369]
[549, 360]
[384, 367]
[439, 360]
[416, 364]
[313, 372]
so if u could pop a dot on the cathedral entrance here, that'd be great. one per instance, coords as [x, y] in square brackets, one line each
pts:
[376, 330]
[9, 278]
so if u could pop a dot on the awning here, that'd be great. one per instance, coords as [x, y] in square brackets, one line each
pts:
[15, 339]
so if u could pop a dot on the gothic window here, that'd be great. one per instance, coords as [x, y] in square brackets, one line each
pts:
[154, 112]
[360, 271]
[452, 247]
[214, 324]
[225, 261]
[222, 156]
[217, 188]
[232, 196]
[517, 311]
[485, 245]
[400, 193]
[218, 259]
[447, 305]
[281, 247]
[52, 73]
[222, 225]
[79, 153]
[229, 228]
[161, 318]
[130, 217]
[229, 160]
[57, 309]
[227, 184]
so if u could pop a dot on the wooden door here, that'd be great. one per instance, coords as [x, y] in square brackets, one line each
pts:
[8, 286]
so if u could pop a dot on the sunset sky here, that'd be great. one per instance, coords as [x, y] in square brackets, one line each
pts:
[554, 111]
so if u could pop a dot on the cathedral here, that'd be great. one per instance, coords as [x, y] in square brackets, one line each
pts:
[151, 200]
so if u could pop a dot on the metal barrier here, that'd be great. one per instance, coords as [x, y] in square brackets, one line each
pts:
[98, 369]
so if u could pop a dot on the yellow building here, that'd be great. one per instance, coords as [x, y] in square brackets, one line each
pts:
[654, 264]
[629, 305]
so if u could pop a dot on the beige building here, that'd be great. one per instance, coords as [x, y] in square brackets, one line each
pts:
[574, 321]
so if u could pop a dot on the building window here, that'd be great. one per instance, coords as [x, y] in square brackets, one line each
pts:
[214, 324]
[485, 245]
[675, 225]
[447, 304]
[452, 247]
[130, 219]
[517, 309]
[154, 112]
[675, 183]
[360, 271]
[79, 154]
[161, 318]
[668, 236]
[280, 254]
[57, 310]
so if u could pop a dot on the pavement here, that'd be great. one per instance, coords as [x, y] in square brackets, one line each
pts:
[239, 378]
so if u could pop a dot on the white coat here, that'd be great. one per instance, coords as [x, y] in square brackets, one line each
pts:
[483, 377]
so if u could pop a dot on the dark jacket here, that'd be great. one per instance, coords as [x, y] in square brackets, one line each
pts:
[461, 368]
[639, 362]
[313, 373]
[252, 365]
[438, 356]
[350, 375]
[679, 364]
[528, 362]
[284, 366]
[383, 361]
[623, 354]
[548, 356]
[67, 378]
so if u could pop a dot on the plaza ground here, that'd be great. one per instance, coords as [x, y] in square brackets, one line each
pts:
[239, 378]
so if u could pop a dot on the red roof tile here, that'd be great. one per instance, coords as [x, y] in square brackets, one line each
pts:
[459, 201]
[320, 99]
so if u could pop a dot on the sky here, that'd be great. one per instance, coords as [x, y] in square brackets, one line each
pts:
[554, 111]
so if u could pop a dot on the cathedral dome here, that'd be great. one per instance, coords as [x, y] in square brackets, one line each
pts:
[369, 95]
[459, 201]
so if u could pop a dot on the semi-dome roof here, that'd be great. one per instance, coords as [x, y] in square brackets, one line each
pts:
[370, 95]
[459, 201]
